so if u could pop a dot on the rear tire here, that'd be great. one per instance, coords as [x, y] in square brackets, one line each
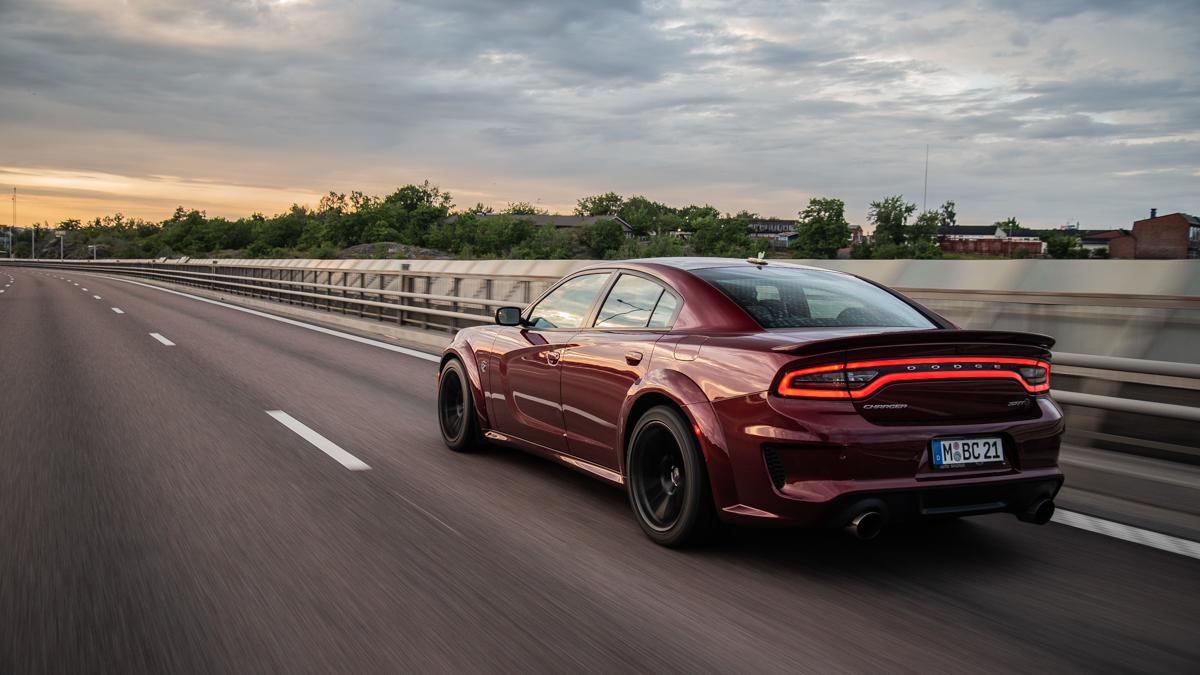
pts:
[667, 481]
[456, 408]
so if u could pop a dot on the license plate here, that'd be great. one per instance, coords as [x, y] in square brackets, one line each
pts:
[955, 452]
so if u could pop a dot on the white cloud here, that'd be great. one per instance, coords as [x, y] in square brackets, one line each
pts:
[1083, 111]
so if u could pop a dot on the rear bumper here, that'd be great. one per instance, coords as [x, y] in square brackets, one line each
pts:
[824, 467]
[928, 503]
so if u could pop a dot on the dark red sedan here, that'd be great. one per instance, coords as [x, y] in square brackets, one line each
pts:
[761, 393]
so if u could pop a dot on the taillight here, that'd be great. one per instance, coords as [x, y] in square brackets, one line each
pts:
[1035, 375]
[833, 381]
[863, 378]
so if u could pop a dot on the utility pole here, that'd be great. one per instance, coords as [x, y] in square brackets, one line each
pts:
[14, 220]
[925, 192]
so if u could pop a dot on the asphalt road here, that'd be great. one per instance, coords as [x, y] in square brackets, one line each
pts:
[156, 518]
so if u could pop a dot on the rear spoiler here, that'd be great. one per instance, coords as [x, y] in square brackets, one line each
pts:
[915, 338]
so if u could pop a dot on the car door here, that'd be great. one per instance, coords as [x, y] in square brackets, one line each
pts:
[605, 359]
[528, 377]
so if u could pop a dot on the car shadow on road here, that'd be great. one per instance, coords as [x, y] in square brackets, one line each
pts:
[918, 549]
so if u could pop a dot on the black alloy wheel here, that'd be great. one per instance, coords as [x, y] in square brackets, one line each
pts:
[668, 486]
[456, 413]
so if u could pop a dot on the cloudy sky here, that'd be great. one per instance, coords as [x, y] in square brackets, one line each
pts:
[1045, 110]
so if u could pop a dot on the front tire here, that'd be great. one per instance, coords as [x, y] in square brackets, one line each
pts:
[667, 481]
[456, 408]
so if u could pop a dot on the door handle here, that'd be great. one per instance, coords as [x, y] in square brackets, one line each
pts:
[553, 357]
[633, 358]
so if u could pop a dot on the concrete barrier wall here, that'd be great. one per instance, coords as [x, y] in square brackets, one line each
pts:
[1136, 277]
[1133, 308]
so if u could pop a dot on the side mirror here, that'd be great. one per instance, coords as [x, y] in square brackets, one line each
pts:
[508, 316]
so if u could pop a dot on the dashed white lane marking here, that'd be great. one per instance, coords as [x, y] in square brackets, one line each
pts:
[162, 339]
[293, 322]
[97, 297]
[117, 310]
[1137, 535]
[84, 290]
[323, 444]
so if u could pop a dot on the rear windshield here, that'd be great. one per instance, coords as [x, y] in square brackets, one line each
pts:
[783, 297]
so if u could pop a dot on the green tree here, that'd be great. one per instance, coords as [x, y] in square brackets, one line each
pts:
[822, 228]
[607, 204]
[924, 229]
[947, 215]
[1061, 244]
[524, 209]
[658, 246]
[602, 238]
[925, 250]
[646, 216]
[692, 214]
[890, 217]
[1009, 224]
[546, 242]
[727, 236]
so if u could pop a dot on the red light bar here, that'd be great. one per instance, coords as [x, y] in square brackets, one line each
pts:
[786, 387]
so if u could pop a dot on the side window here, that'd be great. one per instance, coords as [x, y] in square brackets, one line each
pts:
[665, 311]
[567, 306]
[636, 302]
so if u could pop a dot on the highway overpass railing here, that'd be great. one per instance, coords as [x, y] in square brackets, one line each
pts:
[448, 295]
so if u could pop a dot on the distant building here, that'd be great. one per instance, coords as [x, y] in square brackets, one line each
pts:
[1098, 240]
[990, 240]
[776, 233]
[772, 225]
[1173, 236]
[857, 236]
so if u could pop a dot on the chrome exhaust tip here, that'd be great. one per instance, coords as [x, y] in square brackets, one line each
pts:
[866, 525]
[1038, 513]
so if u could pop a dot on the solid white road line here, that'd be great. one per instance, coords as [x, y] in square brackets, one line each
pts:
[162, 339]
[293, 322]
[117, 310]
[323, 444]
[97, 297]
[1137, 535]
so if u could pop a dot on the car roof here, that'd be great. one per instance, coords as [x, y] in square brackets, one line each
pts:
[713, 310]
[688, 264]
[697, 263]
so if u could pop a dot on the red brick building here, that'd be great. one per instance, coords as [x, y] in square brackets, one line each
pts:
[1173, 236]
[990, 240]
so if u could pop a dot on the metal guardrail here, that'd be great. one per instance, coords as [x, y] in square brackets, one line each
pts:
[1127, 365]
[442, 311]
[378, 301]
[1154, 408]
